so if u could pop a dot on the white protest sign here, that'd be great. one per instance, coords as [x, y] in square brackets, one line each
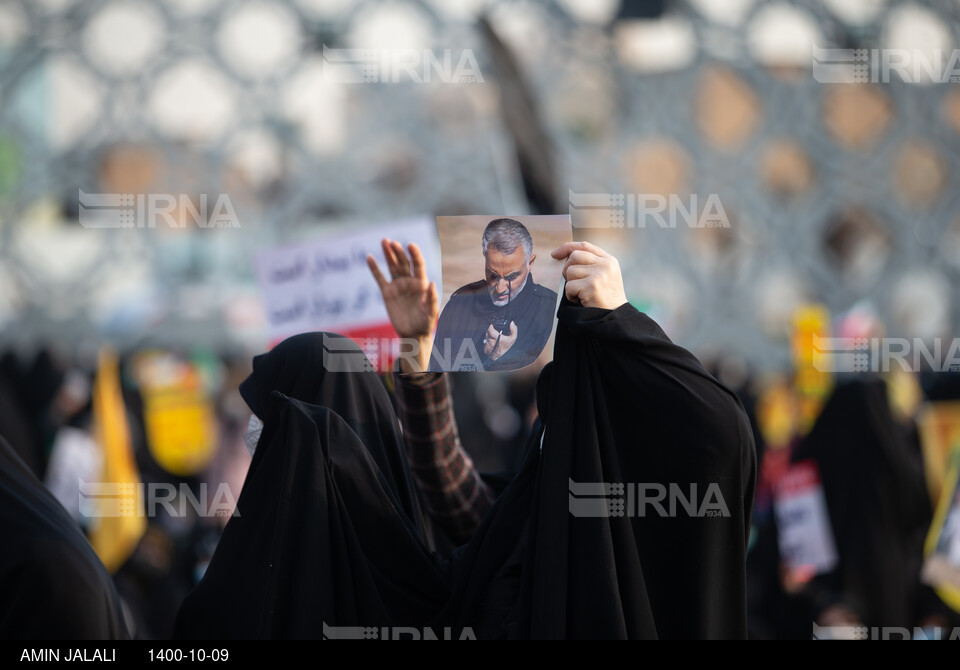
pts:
[325, 284]
[803, 525]
[75, 456]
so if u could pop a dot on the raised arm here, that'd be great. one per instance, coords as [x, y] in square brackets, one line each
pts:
[454, 493]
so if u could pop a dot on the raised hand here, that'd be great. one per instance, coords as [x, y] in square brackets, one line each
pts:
[410, 297]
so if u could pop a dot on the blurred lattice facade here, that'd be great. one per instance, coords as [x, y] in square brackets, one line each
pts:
[834, 192]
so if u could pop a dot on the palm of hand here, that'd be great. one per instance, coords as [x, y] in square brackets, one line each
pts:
[411, 312]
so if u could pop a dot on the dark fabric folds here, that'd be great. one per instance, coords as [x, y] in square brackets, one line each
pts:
[296, 367]
[324, 539]
[320, 540]
[877, 502]
[627, 406]
[53, 585]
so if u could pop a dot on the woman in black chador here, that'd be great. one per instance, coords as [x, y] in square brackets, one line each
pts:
[332, 541]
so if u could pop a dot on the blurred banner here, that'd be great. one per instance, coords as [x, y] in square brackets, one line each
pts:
[813, 380]
[74, 457]
[114, 536]
[941, 568]
[939, 424]
[325, 284]
[177, 412]
[803, 524]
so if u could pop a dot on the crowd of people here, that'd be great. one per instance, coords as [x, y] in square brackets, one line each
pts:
[446, 501]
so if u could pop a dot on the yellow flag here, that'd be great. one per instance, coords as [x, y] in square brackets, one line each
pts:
[940, 567]
[179, 419]
[939, 424]
[120, 523]
[813, 379]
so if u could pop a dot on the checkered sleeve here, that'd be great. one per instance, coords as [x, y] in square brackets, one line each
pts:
[455, 495]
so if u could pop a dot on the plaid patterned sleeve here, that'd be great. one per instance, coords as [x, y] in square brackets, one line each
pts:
[454, 494]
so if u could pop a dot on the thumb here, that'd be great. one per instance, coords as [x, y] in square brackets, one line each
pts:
[513, 329]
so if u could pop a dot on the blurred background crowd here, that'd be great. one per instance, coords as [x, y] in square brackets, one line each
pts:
[841, 200]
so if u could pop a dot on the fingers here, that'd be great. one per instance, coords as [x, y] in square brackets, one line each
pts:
[577, 289]
[389, 255]
[492, 332]
[397, 262]
[568, 248]
[377, 274]
[578, 272]
[403, 262]
[593, 276]
[419, 265]
[562, 251]
[580, 257]
[432, 303]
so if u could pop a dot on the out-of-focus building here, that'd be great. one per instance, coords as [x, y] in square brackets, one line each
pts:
[756, 184]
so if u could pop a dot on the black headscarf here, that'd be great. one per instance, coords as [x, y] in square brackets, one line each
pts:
[53, 584]
[319, 541]
[322, 539]
[296, 367]
[329, 529]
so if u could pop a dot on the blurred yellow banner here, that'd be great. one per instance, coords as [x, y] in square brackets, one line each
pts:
[181, 428]
[941, 567]
[813, 386]
[114, 536]
[178, 416]
[939, 424]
